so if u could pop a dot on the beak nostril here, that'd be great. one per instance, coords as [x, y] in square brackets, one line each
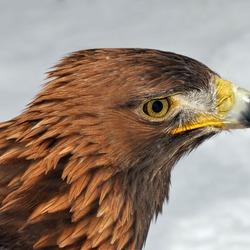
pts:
[226, 104]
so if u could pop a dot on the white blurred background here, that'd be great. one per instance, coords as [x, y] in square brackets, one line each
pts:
[209, 205]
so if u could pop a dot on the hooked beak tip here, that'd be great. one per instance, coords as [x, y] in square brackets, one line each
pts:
[239, 115]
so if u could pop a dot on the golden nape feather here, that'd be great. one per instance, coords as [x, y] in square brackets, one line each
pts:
[87, 165]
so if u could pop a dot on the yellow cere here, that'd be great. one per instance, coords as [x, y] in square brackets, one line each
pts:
[225, 101]
[225, 96]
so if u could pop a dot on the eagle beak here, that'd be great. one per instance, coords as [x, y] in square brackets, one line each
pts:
[232, 109]
[239, 115]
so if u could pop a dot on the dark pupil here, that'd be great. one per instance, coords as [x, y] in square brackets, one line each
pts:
[157, 106]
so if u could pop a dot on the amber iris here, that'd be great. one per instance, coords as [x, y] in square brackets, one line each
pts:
[156, 108]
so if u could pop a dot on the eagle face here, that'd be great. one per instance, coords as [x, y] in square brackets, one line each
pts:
[87, 165]
[163, 99]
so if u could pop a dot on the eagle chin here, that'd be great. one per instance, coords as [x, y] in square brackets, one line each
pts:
[87, 165]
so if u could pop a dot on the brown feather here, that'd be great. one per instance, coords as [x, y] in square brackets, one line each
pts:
[80, 168]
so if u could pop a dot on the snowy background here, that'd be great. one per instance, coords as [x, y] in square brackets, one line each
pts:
[209, 206]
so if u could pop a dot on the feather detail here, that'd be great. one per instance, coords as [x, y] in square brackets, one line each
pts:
[85, 210]
[10, 154]
[80, 229]
[78, 186]
[65, 238]
[46, 240]
[54, 205]
[101, 237]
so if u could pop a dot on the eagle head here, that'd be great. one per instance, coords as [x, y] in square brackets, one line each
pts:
[87, 165]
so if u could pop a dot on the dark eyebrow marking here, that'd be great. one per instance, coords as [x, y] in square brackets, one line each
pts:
[136, 101]
[130, 104]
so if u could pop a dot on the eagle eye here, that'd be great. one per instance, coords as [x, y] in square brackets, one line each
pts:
[156, 108]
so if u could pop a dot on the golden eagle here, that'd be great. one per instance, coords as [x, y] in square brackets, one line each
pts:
[87, 165]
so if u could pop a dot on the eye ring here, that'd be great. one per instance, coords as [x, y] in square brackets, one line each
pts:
[156, 108]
